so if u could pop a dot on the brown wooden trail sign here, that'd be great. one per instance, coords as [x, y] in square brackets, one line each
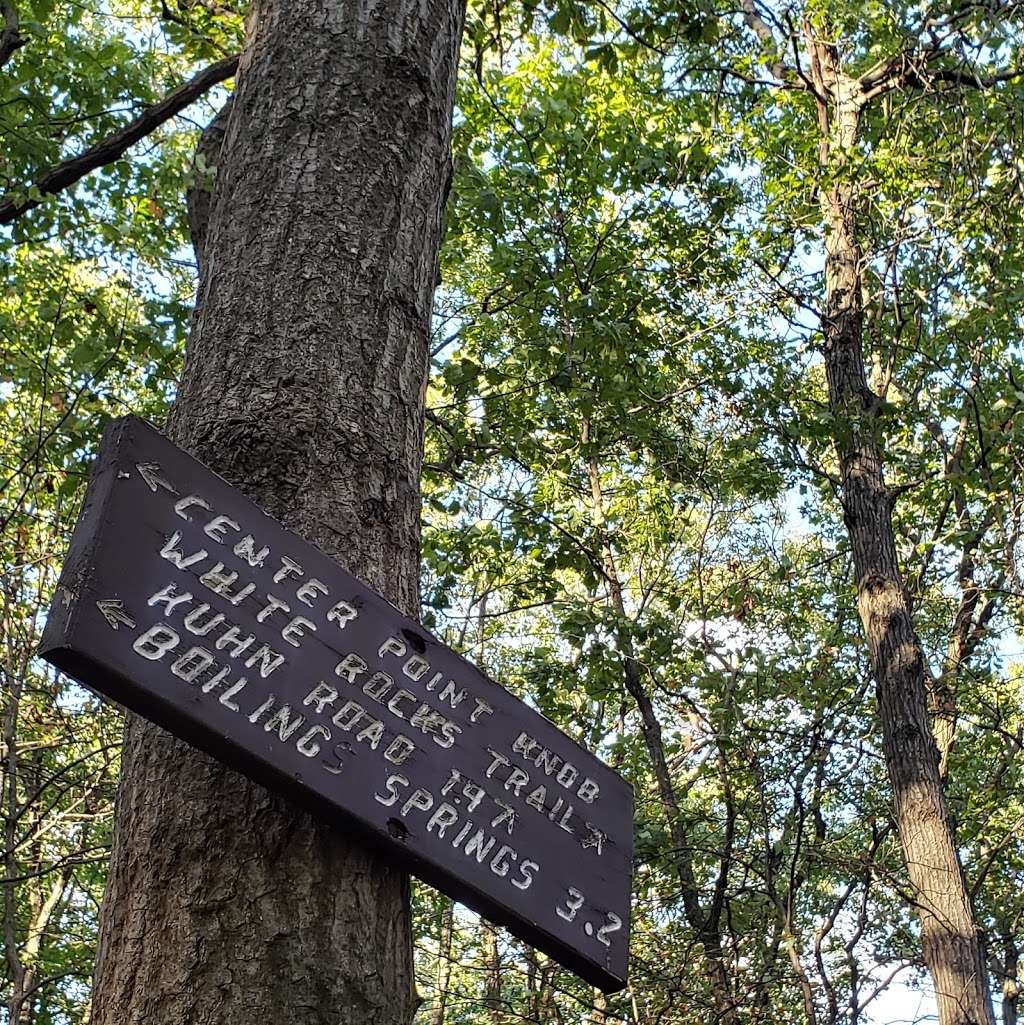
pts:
[183, 600]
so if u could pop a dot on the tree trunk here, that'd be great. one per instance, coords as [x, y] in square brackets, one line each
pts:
[443, 978]
[303, 386]
[492, 972]
[1006, 971]
[952, 944]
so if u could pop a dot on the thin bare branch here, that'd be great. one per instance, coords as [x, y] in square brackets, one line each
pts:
[114, 146]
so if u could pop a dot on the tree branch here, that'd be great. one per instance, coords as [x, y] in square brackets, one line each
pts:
[114, 146]
[909, 70]
[766, 37]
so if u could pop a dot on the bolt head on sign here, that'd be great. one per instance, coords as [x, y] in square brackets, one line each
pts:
[181, 599]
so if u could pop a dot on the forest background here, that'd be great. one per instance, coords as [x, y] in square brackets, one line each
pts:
[633, 505]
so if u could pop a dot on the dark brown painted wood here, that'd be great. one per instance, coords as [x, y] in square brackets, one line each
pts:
[186, 602]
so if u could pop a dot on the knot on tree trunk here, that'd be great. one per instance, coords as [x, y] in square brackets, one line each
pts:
[879, 595]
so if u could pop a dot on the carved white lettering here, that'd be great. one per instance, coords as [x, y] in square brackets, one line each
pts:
[391, 785]
[463, 833]
[192, 664]
[482, 708]
[392, 646]
[156, 642]
[218, 526]
[289, 568]
[526, 870]
[595, 838]
[449, 731]
[399, 696]
[572, 904]
[236, 688]
[443, 817]
[254, 717]
[216, 680]
[452, 780]
[172, 554]
[342, 613]
[455, 697]
[350, 667]
[474, 793]
[296, 630]
[274, 604]
[517, 779]
[195, 625]
[268, 660]
[372, 734]
[349, 715]
[399, 749]
[307, 592]
[246, 549]
[322, 695]
[416, 667]
[170, 599]
[187, 502]
[419, 798]
[548, 761]
[506, 815]
[307, 745]
[378, 686]
[339, 762]
[427, 720]
[476, 846]
[523, 745]
[284, 721]
[563, 822]
[219, 580]
[232, 638]
[499, 864]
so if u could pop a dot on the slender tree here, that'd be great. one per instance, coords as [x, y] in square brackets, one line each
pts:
[952, 943]
[303, 386]
[938, 56]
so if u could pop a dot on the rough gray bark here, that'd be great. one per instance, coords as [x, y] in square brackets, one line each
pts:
[952, 944]
[303, 385]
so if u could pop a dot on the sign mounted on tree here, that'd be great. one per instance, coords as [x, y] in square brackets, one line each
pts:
[183, 600]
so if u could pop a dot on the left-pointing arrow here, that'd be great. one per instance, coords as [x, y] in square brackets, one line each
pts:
[151, 475]
[114, 613]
